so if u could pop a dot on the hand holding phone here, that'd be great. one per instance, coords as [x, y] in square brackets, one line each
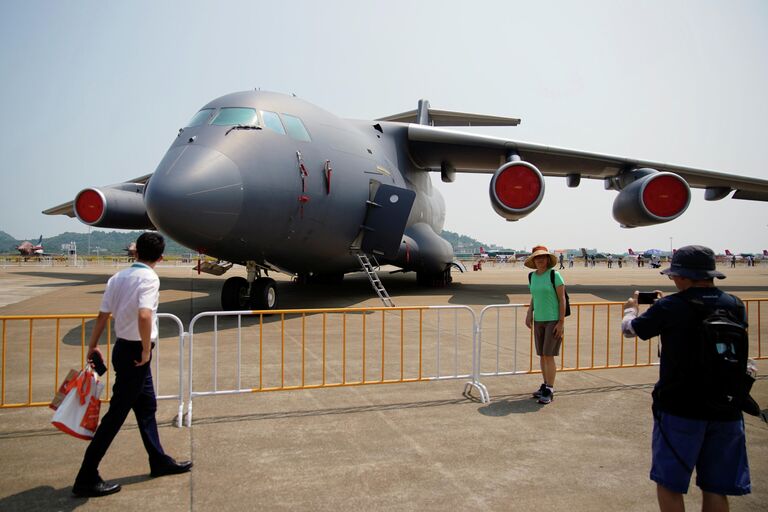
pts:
[647, 297]
[98, 363]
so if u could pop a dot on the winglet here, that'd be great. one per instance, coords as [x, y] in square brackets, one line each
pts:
[431, 117]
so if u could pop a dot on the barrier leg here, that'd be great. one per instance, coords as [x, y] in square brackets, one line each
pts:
[481, 389]
[188, 418]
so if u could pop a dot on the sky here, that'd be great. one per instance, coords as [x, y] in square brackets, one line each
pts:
[94, 93]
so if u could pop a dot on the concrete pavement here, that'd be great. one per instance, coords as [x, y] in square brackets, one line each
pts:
[418, 446]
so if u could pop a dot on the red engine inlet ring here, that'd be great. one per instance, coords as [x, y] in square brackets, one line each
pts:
[90, 205]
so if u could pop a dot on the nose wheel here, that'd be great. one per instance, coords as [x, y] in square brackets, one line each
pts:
[236, 296]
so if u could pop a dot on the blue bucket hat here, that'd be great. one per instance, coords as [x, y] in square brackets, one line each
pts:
[694, 262]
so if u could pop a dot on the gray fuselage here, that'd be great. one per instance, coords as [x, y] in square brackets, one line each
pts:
[239, 194]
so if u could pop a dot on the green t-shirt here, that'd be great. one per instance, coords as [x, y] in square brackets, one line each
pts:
[546, 307]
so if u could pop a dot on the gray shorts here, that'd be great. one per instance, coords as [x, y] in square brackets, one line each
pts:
[544, 336]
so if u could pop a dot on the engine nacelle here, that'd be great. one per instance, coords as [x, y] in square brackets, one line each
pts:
[654, 198]
[119, 208]
[516, 190]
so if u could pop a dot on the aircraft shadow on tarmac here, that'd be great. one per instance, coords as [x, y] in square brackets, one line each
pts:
[204, 295]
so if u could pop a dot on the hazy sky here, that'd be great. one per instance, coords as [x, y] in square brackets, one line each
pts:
[94, 93]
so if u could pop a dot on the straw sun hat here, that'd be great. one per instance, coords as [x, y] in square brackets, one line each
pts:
[540, 250]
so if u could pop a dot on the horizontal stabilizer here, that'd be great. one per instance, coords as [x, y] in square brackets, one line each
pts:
[448, 118]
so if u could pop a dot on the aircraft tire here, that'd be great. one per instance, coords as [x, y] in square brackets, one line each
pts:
[436, 280]
[264, 294]
[234, 294]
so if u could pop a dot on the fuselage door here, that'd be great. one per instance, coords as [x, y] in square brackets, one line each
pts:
[385, 220]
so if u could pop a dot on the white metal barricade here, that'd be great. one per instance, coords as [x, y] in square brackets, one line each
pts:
[259, 351]
[157, 369]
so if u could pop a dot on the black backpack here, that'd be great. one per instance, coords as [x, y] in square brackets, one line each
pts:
[721, 368]
[567, 298]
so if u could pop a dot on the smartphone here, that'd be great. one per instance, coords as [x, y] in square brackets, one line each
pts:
[647, 297]
[98, 364]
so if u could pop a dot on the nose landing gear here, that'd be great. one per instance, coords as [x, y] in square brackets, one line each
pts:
[239, 294]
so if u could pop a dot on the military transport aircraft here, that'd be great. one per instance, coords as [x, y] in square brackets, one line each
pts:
[274, 183]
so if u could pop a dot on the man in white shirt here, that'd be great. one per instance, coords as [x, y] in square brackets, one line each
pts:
[132, 296]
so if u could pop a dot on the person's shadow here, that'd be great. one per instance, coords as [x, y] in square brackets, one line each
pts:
[517, 404]
[47, 499]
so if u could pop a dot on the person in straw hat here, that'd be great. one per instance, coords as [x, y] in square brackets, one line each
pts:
[546, 316]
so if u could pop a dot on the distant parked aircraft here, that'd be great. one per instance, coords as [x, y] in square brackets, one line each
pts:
[26, 248]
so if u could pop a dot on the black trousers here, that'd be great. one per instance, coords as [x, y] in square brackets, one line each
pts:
[133, 390]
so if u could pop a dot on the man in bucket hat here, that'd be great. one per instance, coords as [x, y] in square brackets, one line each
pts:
[546, 316]
[686, 432]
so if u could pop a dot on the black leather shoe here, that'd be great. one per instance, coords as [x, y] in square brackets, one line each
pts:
[171, 468]
[100, 488]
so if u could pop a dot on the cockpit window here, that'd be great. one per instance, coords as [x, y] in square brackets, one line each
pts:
[295, 128]
[200, 117]
[236, 116]
[272, 121]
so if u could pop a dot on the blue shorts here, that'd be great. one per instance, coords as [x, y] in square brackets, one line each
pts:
[717, 449]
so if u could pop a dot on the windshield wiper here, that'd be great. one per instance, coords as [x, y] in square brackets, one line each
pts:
[243, 127]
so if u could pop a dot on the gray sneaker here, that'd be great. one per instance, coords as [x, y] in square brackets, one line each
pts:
[538, 392]
[547, 395]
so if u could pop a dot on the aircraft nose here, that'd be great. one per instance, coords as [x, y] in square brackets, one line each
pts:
[195, 195]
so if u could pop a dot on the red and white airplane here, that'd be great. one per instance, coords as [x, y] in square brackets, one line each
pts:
[741, 256]
[26, 248]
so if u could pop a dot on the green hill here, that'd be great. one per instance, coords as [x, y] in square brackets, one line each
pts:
[115, 242]
[466, 244]
[7, 242]
[101, 242]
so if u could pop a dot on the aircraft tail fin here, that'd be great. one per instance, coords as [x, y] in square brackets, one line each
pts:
[631, 252]
[432, 117]
[728, 252]
[765, 252]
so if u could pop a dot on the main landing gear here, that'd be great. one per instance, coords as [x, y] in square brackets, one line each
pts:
[235, 295]
[434, 280]
[238, 294]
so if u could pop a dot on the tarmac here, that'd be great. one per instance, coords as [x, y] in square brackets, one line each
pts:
[416, 446]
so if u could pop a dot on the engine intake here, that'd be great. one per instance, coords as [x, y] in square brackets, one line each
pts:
[654, 198]
[113, 208]
[516, 190]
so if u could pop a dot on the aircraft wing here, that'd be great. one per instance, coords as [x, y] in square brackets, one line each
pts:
[68, 208]
[435, 149]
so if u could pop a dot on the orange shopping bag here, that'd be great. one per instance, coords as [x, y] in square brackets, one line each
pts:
[62, 391]
[78, 413]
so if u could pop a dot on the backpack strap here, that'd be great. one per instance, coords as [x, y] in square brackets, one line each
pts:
[726, 301]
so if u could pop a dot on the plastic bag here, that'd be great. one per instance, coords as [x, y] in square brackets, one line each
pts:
[61, 393]
[78, 413]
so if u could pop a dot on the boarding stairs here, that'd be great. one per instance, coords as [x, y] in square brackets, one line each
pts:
[370, 271]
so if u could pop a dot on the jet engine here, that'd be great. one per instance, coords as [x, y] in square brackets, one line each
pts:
[517, 188]
[120, 207]
[652, 198]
